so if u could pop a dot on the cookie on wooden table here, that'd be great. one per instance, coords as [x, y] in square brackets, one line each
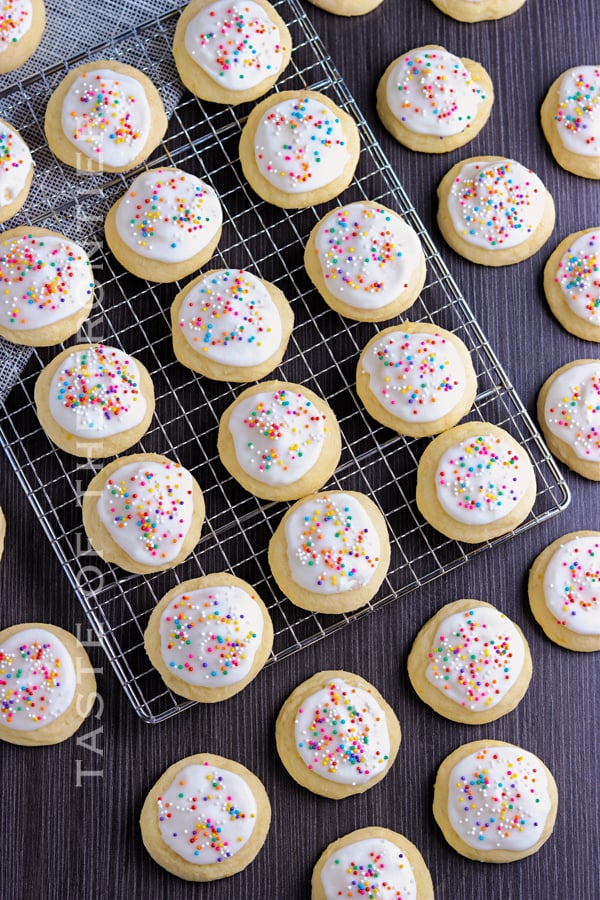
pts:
[571, 120]
[231, 52]
[23, 24]
[336, 735]
[47, 684]
[206, 818]
[365, 261]
[494, 211]
[478, 10]
[572, 284]
[432, 101]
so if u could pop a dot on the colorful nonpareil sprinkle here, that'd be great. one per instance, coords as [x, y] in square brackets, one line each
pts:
[578, 114]
[374, 868]
[572, 585]
[341, 734]
[16, 17]
[572, 410]
[578, 275]
[15, 165]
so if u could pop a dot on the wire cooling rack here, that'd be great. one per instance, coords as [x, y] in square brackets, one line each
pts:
[322, 354]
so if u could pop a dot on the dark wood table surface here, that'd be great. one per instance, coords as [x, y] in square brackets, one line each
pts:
[70, 841]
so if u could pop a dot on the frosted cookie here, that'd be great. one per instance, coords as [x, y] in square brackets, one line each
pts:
[2, 532]
[569, 414]
[475, 483]
[365, 261]
[230, 325]
[416, 379]
[571, 120]
[166, 225]
[470, 663]
[336, 735]
[46, 286]
[347, 7]
[104, 116]
[564, 590]
[279, 440]
[22, 24]
[16, 171]
[371, 862]
[478, 10]
[231, 52]
[298, 149]
[494, 211]
[572, 284]
[432, 101]
[494, 802]
[47, 684]
[209, 637]
[205, 818]
[94, 400]
[143, 512]
[331, 551]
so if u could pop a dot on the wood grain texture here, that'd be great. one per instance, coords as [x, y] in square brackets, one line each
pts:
[78, 843]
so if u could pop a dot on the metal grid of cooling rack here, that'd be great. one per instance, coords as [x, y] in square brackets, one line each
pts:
[322, 354]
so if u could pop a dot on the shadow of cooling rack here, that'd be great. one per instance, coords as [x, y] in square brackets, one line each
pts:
[322, 354]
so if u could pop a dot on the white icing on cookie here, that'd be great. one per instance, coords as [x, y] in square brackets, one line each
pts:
[15, 165]
[96, 393]
[431, 92]
[229, 318]
[367, 255]
[578, 275]
[498, 799]
[496, 205]
[237, 44]
[417, 376]
[300, 145]
[16, 17]
[332, 544]
[476, 657]
[482, 479]
[371, 868]
[42, 280]
[168, 215]
[572, 410]
[578, 114]
[209, 637]
[206, 814]
[37, 679]
[277, 435]
[106, 116]
[572, 585]
[341, 734]
[147, 509]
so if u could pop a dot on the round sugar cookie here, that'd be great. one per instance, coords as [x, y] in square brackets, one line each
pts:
[331, 551]
[433, 101]
[568, 410]
[494, 802]
[570, 117]
[2, 532]
[475, 483]
[494, 211]
[416, 379]
[209, 637]
[572, 284]
[231, 52]
[165, 226]
[336, 735]
[564, 590]
[371, 862]
[347, 7]
[298, 149]
[230, 325]
[470, 663]
[143, 512]
[94, 401]
[16, 171]
[206, 818]
[279, 440]
[104, 116]
[478, 10]
[47, 684]
[46, 286]
[365, 261]
[23, 24]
